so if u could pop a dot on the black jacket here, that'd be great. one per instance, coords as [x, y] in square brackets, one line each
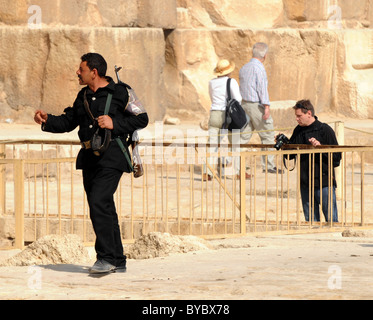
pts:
[124, 124]
[326, 136]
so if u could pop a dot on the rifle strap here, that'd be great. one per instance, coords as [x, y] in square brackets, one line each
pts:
[123, 148]
[117, 139]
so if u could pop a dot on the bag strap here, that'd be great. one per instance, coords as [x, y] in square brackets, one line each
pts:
[108, 103]
[86, 106]
[225, 125]
[107, 106]
[284, 161]
[123, 148]
[229, 88]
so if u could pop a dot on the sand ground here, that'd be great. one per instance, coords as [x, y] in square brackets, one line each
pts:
[317, 266]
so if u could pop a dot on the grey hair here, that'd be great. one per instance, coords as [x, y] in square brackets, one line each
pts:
[260, 49]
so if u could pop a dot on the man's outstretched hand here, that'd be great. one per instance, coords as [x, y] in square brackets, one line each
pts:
[40, 116]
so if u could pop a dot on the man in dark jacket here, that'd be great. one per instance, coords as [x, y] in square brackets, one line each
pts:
[311, 131]
[101, 173]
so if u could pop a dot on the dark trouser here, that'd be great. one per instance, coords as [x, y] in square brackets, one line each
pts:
[329, 211]
[100, 185]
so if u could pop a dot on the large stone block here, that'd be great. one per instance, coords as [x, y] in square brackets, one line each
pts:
[190, 57]
[222, 13]
[328, 14]
[355, 70]
[264, 14]
[160, 13]
[37, 67]
[90, 13]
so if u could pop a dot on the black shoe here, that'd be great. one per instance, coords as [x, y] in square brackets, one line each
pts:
[121, 266]
[121, 269]
[102, 266]
[274, 170]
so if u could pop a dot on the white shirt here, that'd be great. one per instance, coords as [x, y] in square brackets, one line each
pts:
[219, 95]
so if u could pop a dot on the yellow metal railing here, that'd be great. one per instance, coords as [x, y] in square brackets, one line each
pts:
[43, 193]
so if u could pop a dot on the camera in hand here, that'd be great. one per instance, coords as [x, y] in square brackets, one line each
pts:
[281, 140]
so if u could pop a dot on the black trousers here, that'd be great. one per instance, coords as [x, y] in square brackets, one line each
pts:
[100, 185]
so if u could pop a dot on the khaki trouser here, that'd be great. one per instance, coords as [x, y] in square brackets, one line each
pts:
[216, 136]
[264, 127]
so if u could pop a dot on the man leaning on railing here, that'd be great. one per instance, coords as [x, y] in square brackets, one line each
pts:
[311, 131]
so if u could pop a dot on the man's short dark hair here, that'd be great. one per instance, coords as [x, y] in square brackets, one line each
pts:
[305, 105]
[95, 61]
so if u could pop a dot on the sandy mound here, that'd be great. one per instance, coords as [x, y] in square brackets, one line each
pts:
[357, 233]
[51, 249]
[157, 244]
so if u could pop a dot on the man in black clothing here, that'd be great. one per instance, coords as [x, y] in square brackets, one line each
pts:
[101, 173]
[311, 131]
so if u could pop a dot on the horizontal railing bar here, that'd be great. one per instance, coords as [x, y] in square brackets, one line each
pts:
[186, 145]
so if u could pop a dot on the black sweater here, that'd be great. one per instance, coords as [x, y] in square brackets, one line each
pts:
[326, 136]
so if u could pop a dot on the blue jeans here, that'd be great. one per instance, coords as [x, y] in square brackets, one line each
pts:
[325, 204]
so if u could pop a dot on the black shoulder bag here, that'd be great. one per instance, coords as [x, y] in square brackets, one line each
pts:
[235, 115]
[101, 138]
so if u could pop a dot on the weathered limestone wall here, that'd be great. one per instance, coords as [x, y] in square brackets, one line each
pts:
[265, 14]
[38, 58]
[321, 50]
[92, 13]
[38, 66]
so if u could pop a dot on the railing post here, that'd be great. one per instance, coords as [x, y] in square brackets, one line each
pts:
[340, 134]
[19, 202]
[362, 182]
[2, 180]
[243, 192]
